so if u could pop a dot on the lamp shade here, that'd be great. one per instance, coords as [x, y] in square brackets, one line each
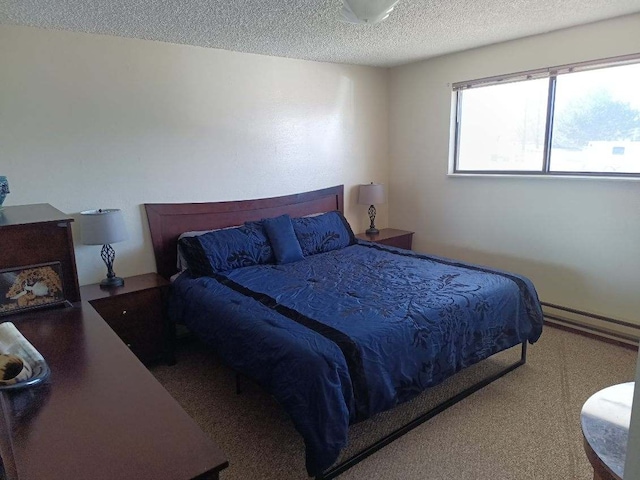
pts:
[102, 227]
[371, 194]
[367, 11]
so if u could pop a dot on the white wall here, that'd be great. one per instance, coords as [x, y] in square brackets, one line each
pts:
[577, 239]
[90, 121]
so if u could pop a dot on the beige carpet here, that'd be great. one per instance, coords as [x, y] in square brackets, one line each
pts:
[523, 426]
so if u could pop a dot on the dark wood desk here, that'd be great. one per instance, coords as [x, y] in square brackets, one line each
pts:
[101, 415]
[605, 422]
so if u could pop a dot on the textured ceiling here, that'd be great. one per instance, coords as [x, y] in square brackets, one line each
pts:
[311, 29]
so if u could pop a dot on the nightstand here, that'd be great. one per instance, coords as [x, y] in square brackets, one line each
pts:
[391, 237]
[136, 313]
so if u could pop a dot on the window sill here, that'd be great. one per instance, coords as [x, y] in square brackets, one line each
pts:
[634, 178]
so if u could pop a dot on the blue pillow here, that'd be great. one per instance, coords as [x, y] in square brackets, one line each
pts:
[323, 233]
[283, 239]
[223, 250]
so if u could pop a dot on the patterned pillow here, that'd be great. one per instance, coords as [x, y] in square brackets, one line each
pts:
[183, 264]
[222, 250]
[323, 233]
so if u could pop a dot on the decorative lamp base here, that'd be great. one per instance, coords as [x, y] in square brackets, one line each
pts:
[372, 230]
[108, 255]
[112, 282]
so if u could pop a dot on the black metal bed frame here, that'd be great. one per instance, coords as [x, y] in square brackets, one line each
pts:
[345, 465]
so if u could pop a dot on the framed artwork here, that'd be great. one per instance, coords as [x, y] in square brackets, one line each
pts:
[29, 287]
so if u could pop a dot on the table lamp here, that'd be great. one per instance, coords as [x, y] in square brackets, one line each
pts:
[371, 194]
[104, 227]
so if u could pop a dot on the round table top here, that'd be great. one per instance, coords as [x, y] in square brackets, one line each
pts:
[605, 422]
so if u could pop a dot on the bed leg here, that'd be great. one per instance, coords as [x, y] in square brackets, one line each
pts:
[523, 356]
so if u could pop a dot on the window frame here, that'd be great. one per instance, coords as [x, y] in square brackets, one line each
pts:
[552, 74]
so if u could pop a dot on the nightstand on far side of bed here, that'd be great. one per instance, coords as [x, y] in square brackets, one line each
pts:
[136, 312]
[391, 237]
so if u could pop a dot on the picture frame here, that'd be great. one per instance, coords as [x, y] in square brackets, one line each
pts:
[31, 287]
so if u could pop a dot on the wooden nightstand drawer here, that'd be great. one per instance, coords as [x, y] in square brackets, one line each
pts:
[391, 237]
[136, 313]
[129, 311]
[137, 318]
[401, 241]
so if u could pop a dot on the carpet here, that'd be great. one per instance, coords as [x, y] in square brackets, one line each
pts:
[525, 425]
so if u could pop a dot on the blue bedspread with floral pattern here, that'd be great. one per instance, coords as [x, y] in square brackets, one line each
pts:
[342, 335]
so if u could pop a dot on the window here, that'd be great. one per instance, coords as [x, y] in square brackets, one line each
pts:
[574, 120]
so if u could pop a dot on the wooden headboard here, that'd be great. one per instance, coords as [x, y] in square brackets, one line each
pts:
[168, 220]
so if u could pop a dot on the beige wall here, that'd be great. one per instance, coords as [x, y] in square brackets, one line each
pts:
[577, 239]
[90, 121]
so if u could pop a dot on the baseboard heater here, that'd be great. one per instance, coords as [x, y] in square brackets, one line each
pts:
[599, 325]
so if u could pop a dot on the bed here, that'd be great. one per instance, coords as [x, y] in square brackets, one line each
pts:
[349, 329]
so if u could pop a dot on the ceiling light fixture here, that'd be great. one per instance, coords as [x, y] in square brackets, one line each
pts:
[367, 11]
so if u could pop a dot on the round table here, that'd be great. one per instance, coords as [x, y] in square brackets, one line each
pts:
[605, 422]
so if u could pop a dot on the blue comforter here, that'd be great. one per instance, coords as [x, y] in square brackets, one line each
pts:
[342, 335]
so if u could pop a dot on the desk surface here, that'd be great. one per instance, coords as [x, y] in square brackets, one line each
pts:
[101, 415]
[605, 421]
